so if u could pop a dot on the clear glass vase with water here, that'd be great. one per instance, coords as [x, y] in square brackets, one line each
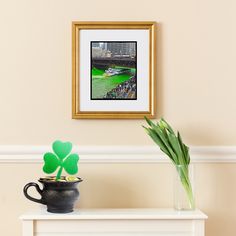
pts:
[183, 187]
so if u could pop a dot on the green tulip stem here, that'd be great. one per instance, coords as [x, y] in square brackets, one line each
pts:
[184, 177]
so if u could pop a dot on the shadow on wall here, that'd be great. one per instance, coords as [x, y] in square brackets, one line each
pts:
[126, 186]
[202, 133]
[108, 193]
[160, 89]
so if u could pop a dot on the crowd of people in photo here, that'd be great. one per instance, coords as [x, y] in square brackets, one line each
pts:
[126, 90]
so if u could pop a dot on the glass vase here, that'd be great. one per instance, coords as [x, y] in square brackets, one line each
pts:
[183, 190]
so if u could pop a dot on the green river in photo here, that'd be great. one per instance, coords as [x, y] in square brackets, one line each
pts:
[102, 84]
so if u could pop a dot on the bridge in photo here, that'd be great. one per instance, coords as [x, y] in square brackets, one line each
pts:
[106, 62]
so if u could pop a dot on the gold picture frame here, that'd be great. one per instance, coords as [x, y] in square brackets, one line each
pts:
[81, 31]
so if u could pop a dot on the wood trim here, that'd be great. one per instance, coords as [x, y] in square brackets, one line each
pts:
[76, 27]
[118, 154]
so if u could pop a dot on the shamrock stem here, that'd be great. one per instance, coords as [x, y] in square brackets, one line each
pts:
[59, 173]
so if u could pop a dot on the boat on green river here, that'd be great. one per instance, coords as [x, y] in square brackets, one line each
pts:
[101, 84]
[116, 71]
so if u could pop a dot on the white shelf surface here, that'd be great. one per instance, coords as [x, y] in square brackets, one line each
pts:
[116, 214]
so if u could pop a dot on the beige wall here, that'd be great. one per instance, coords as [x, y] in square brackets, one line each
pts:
[196, 70]
[128, 185]
[196, 93]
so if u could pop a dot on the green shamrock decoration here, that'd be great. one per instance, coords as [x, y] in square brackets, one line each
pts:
[61, 158]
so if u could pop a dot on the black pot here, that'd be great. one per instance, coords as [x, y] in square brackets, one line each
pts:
[58, 196]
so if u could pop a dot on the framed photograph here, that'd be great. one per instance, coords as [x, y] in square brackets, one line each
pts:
[113, 70]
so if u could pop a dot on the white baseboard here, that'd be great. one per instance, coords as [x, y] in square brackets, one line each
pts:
[118, 154]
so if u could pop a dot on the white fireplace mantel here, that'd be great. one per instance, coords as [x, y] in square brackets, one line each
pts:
[115, 222]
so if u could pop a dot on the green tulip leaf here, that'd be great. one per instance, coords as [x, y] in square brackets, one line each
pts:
[70, 164]
[51, 162]
[61, 149]
[172, 145]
